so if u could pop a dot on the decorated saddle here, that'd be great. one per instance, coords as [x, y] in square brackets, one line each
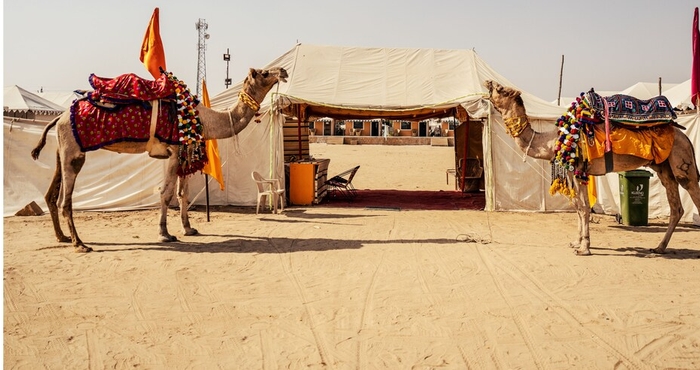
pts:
[628, 110]
[640, 128]
[120, 109]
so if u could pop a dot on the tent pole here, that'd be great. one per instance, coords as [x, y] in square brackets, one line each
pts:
[561, 75]
[206, 187]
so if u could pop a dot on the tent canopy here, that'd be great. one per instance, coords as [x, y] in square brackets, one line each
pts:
[393, 83]
[17, 99]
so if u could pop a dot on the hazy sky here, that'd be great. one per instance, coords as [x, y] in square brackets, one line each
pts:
[608, 45]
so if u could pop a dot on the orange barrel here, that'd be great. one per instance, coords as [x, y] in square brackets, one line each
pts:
[301, 183]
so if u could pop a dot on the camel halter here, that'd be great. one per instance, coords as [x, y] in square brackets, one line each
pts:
[249, 101]
[516, 125]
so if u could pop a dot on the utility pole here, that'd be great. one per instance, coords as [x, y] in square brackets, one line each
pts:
[227, 59]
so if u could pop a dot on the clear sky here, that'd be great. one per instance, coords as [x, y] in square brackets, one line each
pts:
[608, 45]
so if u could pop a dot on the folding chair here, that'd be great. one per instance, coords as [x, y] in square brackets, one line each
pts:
[340, 185]
[269, 189]
[468, 175]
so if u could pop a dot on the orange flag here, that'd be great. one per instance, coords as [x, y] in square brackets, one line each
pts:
[213, 166]
[152, 53]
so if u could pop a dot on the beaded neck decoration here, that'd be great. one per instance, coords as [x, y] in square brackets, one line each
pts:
[573, 126]
[192, 154]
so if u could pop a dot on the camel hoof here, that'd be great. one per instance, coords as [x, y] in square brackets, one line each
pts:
[82, 249]
[191, 231]
[658, 250]
[168, 238]
[579, 252]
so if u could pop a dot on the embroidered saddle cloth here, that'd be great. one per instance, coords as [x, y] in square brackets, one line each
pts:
[118, 110]
[653, 144]
[629, 110]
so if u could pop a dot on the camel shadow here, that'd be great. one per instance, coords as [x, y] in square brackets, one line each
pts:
[657, 227]
[640, 252]
[248, 244]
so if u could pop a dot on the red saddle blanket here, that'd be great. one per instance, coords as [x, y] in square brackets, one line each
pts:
[95, 126]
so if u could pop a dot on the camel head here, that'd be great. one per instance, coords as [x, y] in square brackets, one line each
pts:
[264, 79]
[503, 98]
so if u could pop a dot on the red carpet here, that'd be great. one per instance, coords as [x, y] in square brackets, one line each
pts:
[413, 200]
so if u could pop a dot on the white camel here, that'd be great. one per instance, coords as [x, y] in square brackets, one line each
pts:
[215, 125]
[679, 168]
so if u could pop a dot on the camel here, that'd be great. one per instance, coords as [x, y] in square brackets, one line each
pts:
[215, 125]
[679, 168]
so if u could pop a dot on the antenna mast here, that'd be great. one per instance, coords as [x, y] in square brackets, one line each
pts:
[201, 27]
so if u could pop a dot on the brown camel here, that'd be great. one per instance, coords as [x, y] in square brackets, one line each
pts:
[215, 125]
[679, 168]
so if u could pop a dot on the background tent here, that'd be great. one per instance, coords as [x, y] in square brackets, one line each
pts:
[62, 98]
[679, 96]
[18, 102]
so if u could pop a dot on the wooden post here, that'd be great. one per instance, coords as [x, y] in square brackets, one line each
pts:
[561, 74]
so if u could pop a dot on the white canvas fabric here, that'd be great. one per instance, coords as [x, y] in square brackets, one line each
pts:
[348, 77]
[108, 181]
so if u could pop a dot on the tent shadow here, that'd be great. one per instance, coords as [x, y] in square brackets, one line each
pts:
[247, 244]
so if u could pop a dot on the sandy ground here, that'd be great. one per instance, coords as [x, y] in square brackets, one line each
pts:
[321, 287]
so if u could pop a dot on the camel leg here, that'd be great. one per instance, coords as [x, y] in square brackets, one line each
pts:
[184, 204]
[680, 168]
[51, 198]
[71, 166]
[583, 210]
[166, 196]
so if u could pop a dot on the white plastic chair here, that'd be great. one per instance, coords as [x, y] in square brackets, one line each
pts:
[269, 189]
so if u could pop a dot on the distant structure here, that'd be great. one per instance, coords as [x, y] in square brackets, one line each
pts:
[201, 27]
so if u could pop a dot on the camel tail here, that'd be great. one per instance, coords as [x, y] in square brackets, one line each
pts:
[40, 145]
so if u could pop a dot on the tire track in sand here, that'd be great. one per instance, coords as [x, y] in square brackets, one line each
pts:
[288, 267]
[480, 336]
[544, 295]
[366, 310]
[516, 317]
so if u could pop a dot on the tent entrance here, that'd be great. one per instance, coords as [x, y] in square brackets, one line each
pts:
[469, 149]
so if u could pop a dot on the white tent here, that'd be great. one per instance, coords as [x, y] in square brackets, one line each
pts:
[331, 81]
[324, 81]
[19, 100]
[646, 90]
[61, 98]
[679, 96]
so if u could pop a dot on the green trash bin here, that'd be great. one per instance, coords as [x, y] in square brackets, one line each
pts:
[634, 197]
